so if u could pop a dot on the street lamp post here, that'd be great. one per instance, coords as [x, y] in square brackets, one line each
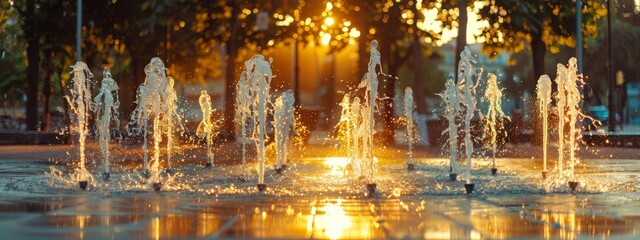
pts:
[611, 121]
[79, 32]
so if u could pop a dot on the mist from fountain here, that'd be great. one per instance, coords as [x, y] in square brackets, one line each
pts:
[543, 90]
[80, 105]
[106, 108]
[409, 113]
[494, 118]
[206, 126]
[283, 122]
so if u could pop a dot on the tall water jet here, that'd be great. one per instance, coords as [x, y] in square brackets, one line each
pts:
[469, 103]
[451, 111]
[572, 87]
[561, 102]
[205, 128]
[244, 101]
[80, 104]
[173, 120]
[151, 102]
[106, 108]
[259, 75]
[283, 122]
[370, 85]
[409, 113]
[495, 116]
[544, 99]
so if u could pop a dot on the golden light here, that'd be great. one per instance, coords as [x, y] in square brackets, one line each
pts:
[335, 221]
[354, 33]
[329, 21]
[325, 38]
[337, 164]
[329, 6]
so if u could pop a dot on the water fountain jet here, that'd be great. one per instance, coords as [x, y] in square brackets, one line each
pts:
[469, 102]
[80, 104]
[544, 99]
[283, 122]
[409, 113]
[205, 128]
[258, 74]
[495, 116]
[370, 85]
[451, 112]
[106, 106]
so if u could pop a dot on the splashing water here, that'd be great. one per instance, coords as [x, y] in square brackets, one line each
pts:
[409, 112]
[244, 101]
[357, 135]
[370, 84]
[171, 117]
[544, 99]
[283, 122]
[469, 100]
[259, 75]
[151, 102]
[569, 97]
[451, 111]
[80, 104]
[106, 107]
[205, 128]
[494, 117]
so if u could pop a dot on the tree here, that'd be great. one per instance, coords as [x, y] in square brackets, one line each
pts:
[541, 25]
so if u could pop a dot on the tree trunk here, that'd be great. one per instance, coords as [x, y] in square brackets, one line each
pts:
[461, 40]
[363, 58]
[231, 48]
[129, 88]
[538, 50]
[387, 92]
[33, 58]
[46, 89]
[230, 90]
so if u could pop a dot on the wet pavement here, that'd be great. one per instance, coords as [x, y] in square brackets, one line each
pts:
[315, 199]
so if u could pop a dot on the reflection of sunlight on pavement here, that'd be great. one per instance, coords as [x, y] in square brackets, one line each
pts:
[332, 224]
[335, 220]
[337, 164]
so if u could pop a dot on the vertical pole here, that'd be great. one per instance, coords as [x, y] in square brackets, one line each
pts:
[579, 34]
[79, 32]
[611, 122]
[296, 75]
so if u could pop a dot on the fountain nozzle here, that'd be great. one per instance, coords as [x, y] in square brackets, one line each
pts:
[453, 176]
[469, 187]
[573, 185]
[157, 186]
[83, 184]
[208, 164]
[106, 176]
[262, 187]
[279, 170]
[371, 189]
[411, 166]
[544, 174]
[494, 171]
